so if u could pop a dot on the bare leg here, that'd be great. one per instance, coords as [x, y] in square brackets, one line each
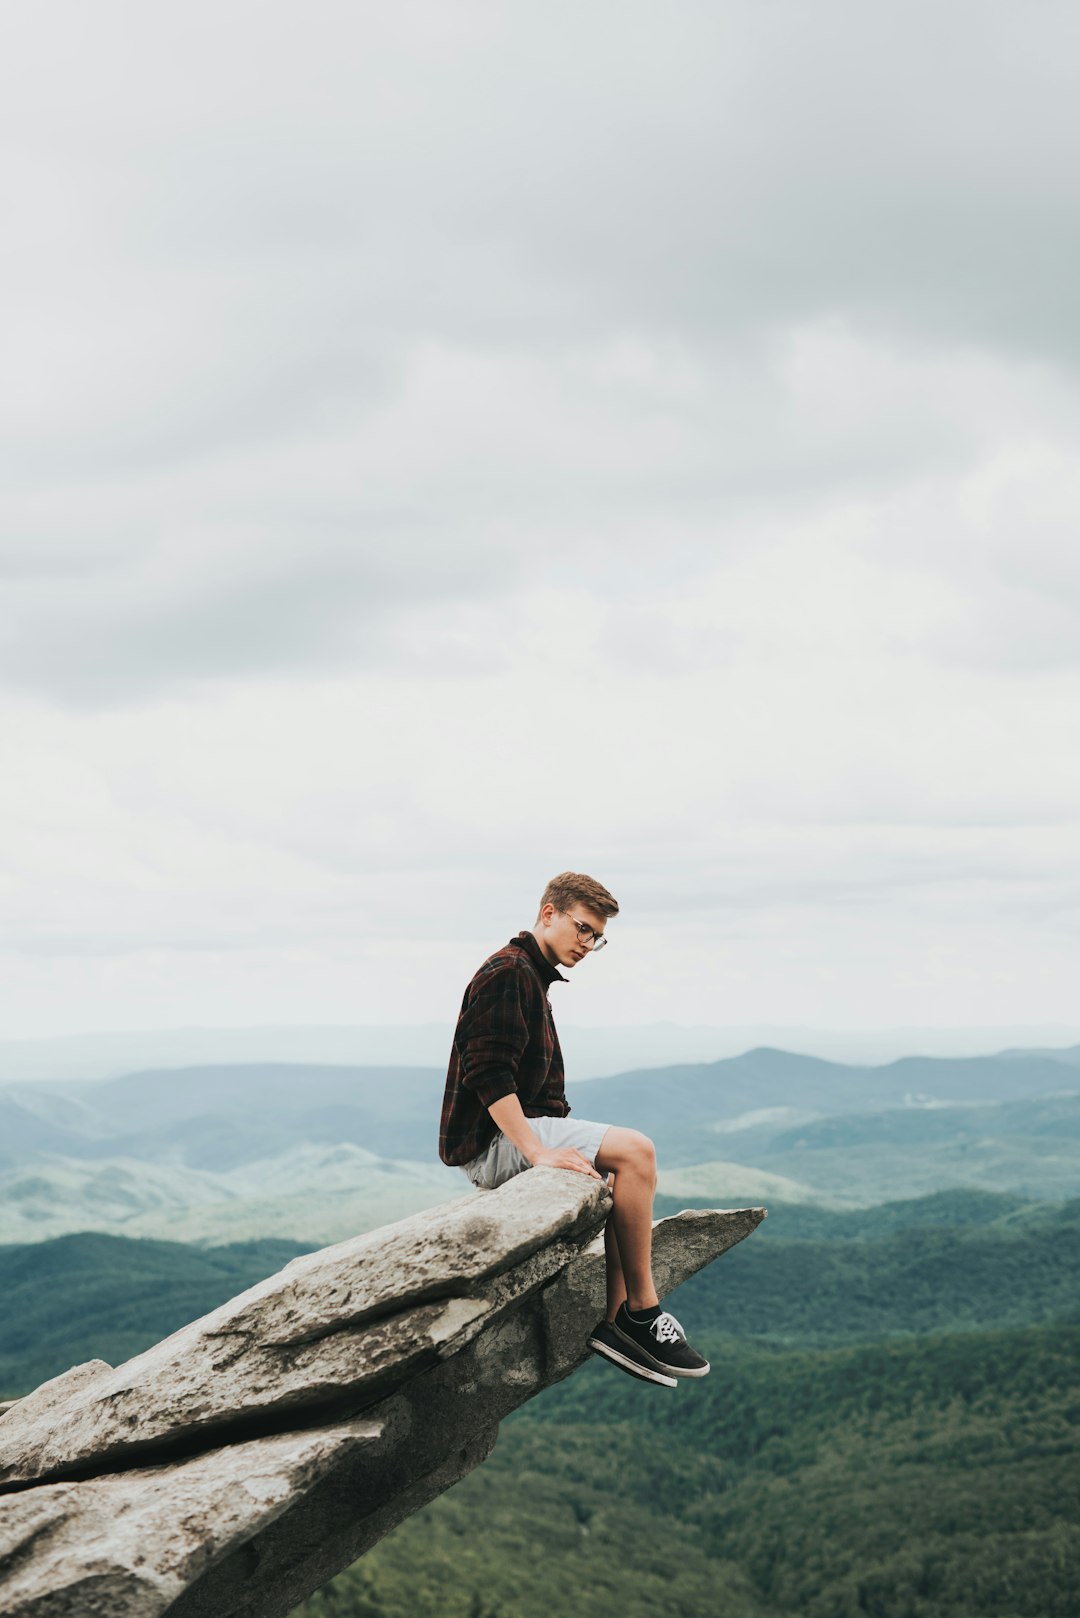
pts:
[630, 1157]
[616, 1286]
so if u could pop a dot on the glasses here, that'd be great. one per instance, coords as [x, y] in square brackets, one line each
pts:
[588, 936]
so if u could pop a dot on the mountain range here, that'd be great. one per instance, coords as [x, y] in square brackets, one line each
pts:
[591, 1051]
[315, 1152]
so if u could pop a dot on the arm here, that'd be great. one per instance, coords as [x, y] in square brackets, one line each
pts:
[507, 1115]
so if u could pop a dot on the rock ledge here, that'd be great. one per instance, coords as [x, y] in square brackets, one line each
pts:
[237, 1465]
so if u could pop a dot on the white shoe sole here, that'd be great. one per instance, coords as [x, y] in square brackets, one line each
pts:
[667, 1370]
[635, 1367]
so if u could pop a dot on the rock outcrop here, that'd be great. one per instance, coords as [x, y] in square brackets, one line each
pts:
[239, 1464]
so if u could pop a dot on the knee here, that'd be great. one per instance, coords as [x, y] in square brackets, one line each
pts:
[643, 1156]
[629, 1152]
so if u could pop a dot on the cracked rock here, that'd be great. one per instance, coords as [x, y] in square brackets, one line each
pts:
[235, 1467]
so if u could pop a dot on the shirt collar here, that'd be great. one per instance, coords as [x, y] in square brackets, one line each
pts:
[549, 973]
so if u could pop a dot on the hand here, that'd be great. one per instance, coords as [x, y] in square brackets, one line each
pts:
[564, 1157]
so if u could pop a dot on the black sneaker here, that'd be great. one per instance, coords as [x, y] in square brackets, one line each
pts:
[605, 1340]
[661, 1343]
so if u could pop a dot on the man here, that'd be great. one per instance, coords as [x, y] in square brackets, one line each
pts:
[505, 1111]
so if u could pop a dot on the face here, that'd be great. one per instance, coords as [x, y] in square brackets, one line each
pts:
[557, 933]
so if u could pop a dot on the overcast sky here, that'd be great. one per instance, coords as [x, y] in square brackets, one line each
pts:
[446, 443]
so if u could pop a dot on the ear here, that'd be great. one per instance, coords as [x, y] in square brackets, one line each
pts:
[546, 913]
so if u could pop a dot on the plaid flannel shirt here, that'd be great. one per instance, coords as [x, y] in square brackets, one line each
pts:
[505, 1044]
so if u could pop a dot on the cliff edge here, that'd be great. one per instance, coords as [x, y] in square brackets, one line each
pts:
[237, 1465]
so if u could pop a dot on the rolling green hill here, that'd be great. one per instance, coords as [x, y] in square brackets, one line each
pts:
[852, 1455]
[316, 1152]
[915, 1476]
[930, 1479]
[913, 1281]
[105, 1297]
[218, 1117]
[955, 1261]
[952, 1210]
[318, 1194]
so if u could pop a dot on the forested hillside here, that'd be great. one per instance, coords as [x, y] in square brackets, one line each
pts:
[937, 1479]
[104, 1297]
[807, 1276]
[891, 1427]
[916, 1471]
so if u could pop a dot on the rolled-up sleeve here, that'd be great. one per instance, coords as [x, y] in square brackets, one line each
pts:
[491, 1037]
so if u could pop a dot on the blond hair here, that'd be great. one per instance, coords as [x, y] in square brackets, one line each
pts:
[571, 887]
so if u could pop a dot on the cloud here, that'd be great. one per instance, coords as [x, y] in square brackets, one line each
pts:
[219, 244]
[325, 327]
[454, 443]
[207, 605]
[412, 531]
[714, 171]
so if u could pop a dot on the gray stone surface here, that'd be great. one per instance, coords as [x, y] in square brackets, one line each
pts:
[338, 1325]
[56, 1391]
[131, 1543]
[379, 1394]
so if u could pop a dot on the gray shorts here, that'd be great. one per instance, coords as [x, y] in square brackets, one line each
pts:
[501, 1160]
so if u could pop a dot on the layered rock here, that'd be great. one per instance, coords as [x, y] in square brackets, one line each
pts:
[237, 1465]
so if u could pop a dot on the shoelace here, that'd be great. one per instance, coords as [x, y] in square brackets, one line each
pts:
[666, 1329]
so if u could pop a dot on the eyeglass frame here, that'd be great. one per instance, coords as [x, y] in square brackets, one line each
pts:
[585, 931]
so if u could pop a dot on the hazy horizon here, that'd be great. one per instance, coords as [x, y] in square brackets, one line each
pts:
[590, 1051]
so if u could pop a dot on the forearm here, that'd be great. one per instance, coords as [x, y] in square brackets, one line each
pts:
[507, 1116]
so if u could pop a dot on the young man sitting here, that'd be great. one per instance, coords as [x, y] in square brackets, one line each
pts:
[505, 1110]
